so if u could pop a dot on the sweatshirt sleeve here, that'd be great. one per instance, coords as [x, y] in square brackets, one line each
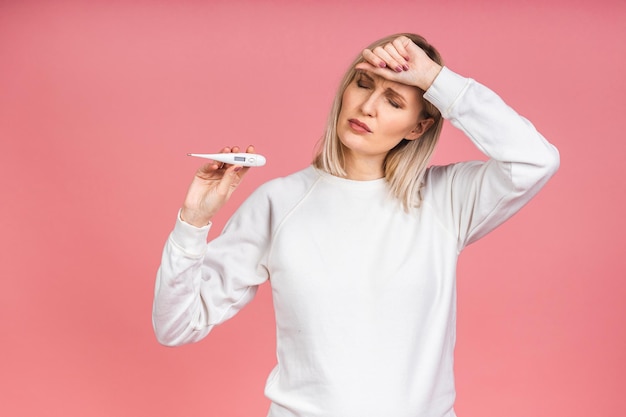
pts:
[200, 284]
[475, 197]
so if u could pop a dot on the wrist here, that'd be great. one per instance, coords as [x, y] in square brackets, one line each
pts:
[430, 75]
[194, 218]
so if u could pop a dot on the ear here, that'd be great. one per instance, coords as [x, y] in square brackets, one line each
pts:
[420, 129]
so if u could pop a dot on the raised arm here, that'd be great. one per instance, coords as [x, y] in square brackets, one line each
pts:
[472, 197]
[479, 196]
[201, 284]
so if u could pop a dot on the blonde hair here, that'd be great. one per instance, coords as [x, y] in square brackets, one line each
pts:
[405, 165]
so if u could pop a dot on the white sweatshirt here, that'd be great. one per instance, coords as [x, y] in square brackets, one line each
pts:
[364, 293]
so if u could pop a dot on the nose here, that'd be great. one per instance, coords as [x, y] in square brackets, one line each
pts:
[368, 105]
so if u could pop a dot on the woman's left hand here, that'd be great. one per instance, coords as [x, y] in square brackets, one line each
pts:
[401, 61]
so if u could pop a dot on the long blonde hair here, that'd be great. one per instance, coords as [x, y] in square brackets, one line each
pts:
[405, 165]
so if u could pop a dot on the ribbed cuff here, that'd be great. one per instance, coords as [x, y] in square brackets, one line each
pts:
[446, 90]
[190, 239]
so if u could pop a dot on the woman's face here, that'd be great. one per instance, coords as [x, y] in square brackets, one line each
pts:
[376, 114]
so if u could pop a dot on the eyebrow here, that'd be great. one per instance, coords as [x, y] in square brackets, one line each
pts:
[389, 91]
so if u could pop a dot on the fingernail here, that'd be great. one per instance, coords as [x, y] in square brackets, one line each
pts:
[382, 65]
[405, 67]
[237, 169]
[399, 68]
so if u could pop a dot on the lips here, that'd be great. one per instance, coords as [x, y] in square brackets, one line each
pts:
[359, 126]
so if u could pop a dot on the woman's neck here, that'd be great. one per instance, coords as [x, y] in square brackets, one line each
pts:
[363, 169]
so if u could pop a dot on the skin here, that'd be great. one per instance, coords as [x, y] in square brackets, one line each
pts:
[390, 111]
[399, 66]
[211, 188]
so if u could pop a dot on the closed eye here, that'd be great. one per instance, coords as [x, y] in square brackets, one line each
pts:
[394, 104]
[363, 84]
[363, 80]
[395, 99]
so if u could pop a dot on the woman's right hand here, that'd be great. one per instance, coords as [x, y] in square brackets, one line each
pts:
[211, 188]
[401, 61]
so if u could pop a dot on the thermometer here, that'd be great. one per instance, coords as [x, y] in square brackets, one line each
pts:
[243, 159]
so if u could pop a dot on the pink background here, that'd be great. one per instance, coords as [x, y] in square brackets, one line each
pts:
[101, 101]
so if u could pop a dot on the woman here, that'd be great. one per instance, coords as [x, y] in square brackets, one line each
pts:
[361, 247]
